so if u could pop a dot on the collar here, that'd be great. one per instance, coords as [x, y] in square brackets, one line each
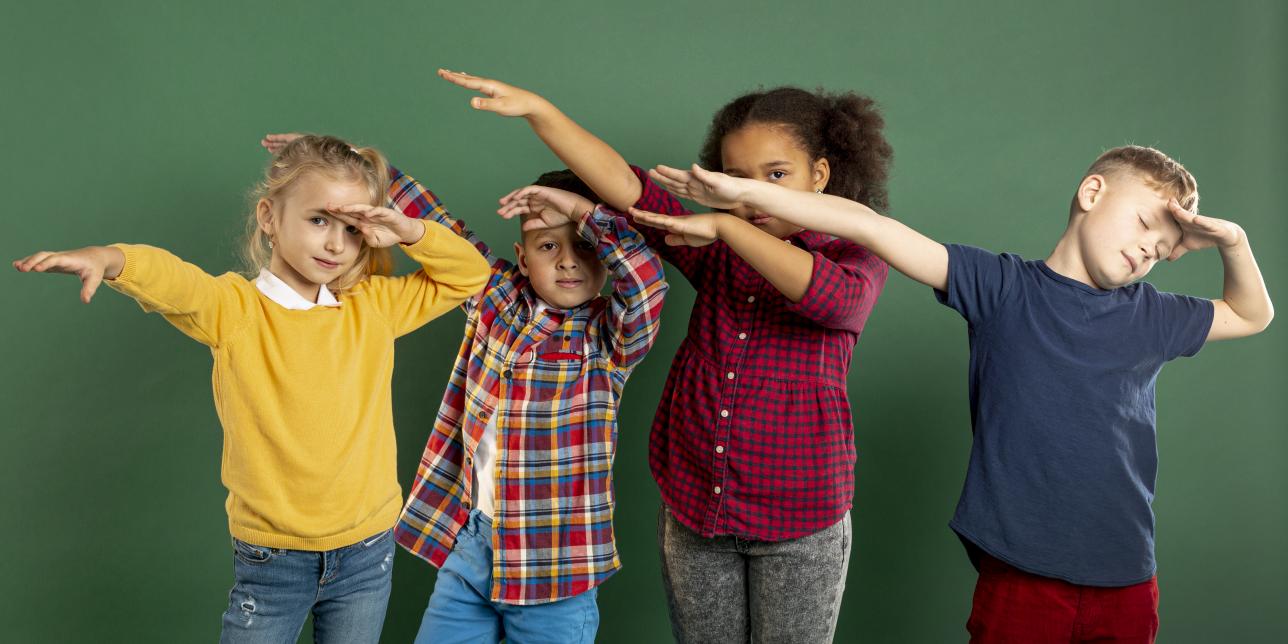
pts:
[275, 289]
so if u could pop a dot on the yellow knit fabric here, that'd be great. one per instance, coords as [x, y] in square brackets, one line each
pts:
[304, 396]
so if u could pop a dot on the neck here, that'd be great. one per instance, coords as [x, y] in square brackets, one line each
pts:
[1066, 259]
[308, 290]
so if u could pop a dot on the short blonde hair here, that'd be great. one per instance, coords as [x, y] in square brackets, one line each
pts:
[333, 158]
[1157, 170]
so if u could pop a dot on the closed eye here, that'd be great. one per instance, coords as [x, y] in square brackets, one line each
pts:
[1142, 222]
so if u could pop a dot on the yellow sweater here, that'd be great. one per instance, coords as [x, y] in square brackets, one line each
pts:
[304, 396]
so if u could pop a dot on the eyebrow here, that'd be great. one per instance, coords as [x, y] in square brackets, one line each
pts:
[763, 166]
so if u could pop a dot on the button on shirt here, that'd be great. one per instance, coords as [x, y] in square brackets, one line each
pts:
[753, 436]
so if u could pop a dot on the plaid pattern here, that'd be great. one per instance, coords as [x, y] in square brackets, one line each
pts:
[554, 381]
[753, 436]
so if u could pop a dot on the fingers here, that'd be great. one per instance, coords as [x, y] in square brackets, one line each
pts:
[1177, 253]
[654, 220]
[1180, 214]
[487, 104]
[675, 240]
[89, 284]
[57, 262]
[515, 208]
[485, 85]
[668, 172]
[24, 265]
[674, 186]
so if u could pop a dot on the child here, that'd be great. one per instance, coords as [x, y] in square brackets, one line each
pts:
[513, 499]
[752, 447]
[303, 357]
[1055, 512]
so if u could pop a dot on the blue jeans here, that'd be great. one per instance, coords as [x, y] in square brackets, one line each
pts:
[275, 589]
[461, 609]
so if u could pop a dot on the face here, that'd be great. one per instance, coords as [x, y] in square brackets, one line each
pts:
[310, 247]
[563, 267]
[1126, 229]
[771, 153]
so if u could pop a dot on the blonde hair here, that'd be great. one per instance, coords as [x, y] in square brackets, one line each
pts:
[1157, 170]
[336, 159]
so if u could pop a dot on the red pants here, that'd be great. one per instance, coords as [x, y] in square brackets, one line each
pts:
[1013, 606]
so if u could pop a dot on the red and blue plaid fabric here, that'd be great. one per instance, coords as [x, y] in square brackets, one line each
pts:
[753, 436]
[553, 381]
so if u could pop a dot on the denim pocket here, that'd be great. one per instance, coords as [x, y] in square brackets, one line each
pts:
[252, 554]
[375, 540]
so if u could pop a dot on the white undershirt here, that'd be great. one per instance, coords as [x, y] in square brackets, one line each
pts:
[485, 456]
[275, 289]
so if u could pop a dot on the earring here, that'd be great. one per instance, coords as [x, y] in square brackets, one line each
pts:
[270, 243]
[818, 190]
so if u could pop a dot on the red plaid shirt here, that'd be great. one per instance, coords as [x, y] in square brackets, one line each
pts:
[753, 436]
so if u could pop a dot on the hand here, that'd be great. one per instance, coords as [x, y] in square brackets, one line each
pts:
[275, 142]
[90, 264]
[1198, 232]
[550, 207]
[683, 230]
[711, 189]
[380, 227]
[506, 100]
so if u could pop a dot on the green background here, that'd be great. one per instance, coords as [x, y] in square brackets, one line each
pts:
[139, 122]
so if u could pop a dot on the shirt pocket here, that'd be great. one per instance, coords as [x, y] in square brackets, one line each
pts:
[551, 367]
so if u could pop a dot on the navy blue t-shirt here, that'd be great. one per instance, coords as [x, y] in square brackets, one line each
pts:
[1063, 463]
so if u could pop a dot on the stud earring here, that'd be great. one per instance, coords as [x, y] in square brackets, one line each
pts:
[270, 243]
[818, 190]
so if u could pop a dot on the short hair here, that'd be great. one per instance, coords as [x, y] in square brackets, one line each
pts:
[1156, 169]
[569, 181]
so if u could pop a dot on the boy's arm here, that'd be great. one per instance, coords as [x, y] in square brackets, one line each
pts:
[639, 284]
[1245, 307]
[908, 251]
[408, 196]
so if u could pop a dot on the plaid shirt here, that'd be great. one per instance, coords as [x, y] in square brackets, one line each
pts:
[553, 380]
[753, 436]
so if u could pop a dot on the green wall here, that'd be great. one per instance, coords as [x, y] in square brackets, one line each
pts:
[139, 122]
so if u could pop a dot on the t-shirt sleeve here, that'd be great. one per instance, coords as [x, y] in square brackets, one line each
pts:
[1183, 322]
[979, 281]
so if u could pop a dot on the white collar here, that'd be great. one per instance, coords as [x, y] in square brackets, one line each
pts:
[275, 289]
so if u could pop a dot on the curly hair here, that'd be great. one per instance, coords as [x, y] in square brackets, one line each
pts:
[844, 128]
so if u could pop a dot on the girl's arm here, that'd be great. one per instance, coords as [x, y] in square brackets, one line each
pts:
[908, 251]
[605, 172]
[452, 269]
[206, 308]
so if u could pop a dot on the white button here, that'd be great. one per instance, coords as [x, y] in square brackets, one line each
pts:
[742, 336]
[751, 298]
[724, 413]
[720, 449]
[730, 376]
[717, 489]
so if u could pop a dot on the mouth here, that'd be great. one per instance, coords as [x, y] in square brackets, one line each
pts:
[325, 264]
[569, 283]
[1130, 262]
[760, 220]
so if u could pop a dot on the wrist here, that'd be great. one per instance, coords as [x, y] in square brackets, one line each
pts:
[413, 233]
[113, 261]
[541, 112]
[1240, 238]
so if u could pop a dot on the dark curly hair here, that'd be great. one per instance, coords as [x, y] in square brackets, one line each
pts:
[566, 180]
[844, 128]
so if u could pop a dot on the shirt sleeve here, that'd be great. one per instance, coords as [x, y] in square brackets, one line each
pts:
[843, 288]
[413, 199]
[452, 271]
[654, 199]
[1183, 322]
[978, 281]
[639, 284]
[208, 309]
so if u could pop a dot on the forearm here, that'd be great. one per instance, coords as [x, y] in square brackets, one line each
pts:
[1245, 289]
[785, 266]
[908, 251]
[597, 163]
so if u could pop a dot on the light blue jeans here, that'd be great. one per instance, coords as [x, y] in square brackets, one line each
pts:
[461, 609]
[346, 590]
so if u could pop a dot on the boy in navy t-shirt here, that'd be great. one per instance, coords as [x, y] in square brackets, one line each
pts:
[1055, 511]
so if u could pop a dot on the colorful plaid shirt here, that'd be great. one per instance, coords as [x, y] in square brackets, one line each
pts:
[753, 435]
[553, 381]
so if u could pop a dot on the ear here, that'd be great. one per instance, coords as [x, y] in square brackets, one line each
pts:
[1092, 189]
[822, 172]
[264, 215]
[521, 257]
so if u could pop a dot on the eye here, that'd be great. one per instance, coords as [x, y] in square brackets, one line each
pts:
[317, 220]
[352, 230]
[1142, 222]
[777, 175]
[548, 246]
[585, 246]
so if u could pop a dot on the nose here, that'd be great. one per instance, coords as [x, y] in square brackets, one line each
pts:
[568, 259]
[335, 239]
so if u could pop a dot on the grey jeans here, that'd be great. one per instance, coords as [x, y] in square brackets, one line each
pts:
[727, 589]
